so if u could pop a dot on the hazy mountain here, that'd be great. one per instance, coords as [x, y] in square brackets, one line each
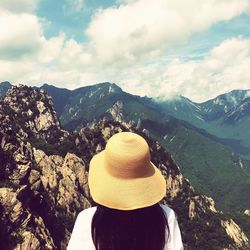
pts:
[226, 117]
[43, 179]
[4, 86]
[212, 167]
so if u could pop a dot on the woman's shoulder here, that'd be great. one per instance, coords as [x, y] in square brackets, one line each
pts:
[168, 211]
[174, 240]
[86, 213]
[166, 208]
[81, 235]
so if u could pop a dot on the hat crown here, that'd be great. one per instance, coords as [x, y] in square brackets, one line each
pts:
[127, 155]
[123, 177]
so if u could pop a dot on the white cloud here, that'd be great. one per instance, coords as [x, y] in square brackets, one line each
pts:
[225, 68]
[20, 34]
[19, 6]
[74, 54]
[51, 48]
[141, 28]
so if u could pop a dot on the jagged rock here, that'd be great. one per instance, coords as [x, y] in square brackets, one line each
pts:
[34, 176]
[77, 141]
[138, 126]
[192, 213]
[106, 133]
[74, 168]
[19, 218]
[34, 108]
[116, 111]
[234, 231]
[29, 242]
[173, 185]
[20, 172]
[98, 148]
[44, 121]
[196, 201]
[247, 212]
[49, 166]
[145, 131]
[65, 176]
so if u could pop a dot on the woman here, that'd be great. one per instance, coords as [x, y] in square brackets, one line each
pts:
[127, 187]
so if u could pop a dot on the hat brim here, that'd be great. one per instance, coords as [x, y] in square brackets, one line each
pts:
[124, 194]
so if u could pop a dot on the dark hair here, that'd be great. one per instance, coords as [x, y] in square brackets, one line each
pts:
[143, 228]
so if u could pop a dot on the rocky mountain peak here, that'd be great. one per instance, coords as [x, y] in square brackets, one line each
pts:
[242, 110]
[112, 87]
[105, 89]
[229, 102]
[32, 107]
[232, 98]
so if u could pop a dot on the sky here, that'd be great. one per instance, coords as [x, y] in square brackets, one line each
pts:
[156, 48]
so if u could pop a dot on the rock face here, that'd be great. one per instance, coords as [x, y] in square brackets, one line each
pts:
[17, 216]
[34, 107]
[116, 111]
[44, 174]
[247, 212]
[234, 231]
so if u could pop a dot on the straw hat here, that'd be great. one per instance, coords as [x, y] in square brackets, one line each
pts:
[123, 177]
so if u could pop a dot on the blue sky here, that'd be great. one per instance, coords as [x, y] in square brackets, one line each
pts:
[64, 18]
[195, 48]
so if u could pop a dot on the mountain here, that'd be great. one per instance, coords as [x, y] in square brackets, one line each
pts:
[60, 96]
[227, 117]
[43, 179]
[227, 105]
[213, 168]
[86, 104]
[4, 86]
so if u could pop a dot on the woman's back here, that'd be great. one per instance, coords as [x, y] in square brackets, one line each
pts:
[143, 228]
[81, 238]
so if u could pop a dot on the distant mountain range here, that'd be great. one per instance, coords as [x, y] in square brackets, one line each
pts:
[44, 178]
[180, 126]
[226, 116]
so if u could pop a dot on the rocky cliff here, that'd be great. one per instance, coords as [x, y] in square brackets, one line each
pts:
[44, 171]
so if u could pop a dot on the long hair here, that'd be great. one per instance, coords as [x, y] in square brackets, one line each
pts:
[140, 229]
